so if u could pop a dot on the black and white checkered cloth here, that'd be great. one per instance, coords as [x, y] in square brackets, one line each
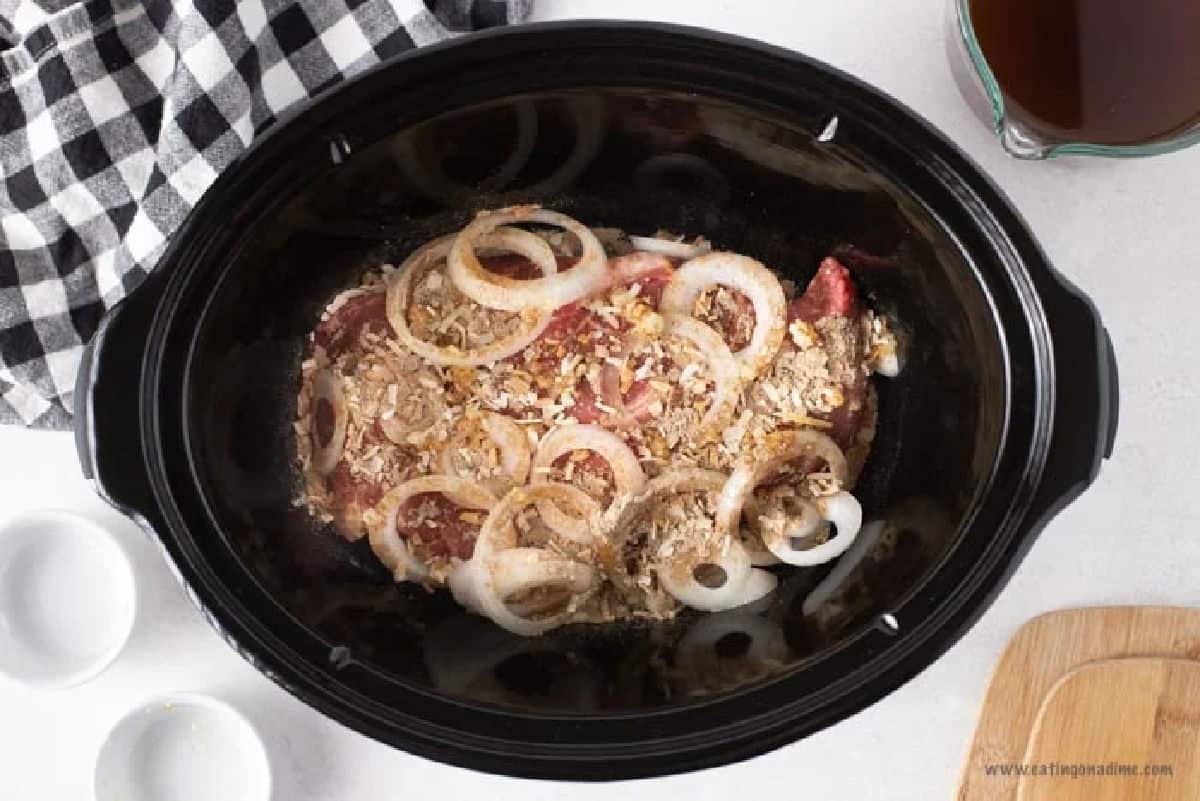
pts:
[116, 115]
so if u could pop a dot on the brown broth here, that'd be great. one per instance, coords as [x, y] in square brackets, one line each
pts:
[1102, 71]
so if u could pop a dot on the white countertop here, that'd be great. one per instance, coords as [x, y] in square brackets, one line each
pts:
[1125, 232]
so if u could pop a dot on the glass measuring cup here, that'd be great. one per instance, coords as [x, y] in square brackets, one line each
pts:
[1020, 134]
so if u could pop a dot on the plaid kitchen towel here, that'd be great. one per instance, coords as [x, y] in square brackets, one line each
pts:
[116, 115]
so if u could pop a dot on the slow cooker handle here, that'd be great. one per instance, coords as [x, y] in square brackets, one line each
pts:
[107, 421]
[1087, 398]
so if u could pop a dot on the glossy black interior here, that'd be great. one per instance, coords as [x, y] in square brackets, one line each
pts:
[638, 126]
[640, 161]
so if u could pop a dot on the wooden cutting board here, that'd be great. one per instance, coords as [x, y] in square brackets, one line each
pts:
[1043, 651]
[1136, 720]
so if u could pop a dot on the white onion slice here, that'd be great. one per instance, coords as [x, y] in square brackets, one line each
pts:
[520, 570]
[385, 539]
[499, 530]
[541, 294]
[781, 447]
[712, 585]
[515, 455]
[523, 243]
[844, 512]
[514, 448]
[618, 524]
[759, 585]
[465, 582]
[327, 388]
[756, 584]
[621, 515]
[760, 556]
[716, 582]
[500, 568]
[840, 509]
[628, 476]
[399, 290]
[799, 523]
[747, 276]
[473, 585]
[722, 365]
[670, 247]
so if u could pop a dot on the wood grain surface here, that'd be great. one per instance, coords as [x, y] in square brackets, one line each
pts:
[1134, 721]
[1043, 651]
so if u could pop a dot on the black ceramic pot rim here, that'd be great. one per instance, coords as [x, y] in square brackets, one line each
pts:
[705, 733]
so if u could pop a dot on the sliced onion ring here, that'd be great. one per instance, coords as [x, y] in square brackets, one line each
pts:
[721, 364]
[842, 510]
[499, 532]
[514, 453]
[670, 247]
[399, 290]
[509, 294]
[628, 476]
[520, 570]
[724, 581]
[619, 517]
[326, 387]
[759, 585]
[500, 569]
[747, 276]
[781, 447]
[515, 456]
[720, 581]
[385, 539]
[480, 584]
[752, 541]
[802, 522]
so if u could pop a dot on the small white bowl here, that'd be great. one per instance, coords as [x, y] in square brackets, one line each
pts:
[67, 599]
[183, 747]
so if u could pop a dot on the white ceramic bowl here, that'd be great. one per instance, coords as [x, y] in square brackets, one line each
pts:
[67, 599]
[183, 747]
